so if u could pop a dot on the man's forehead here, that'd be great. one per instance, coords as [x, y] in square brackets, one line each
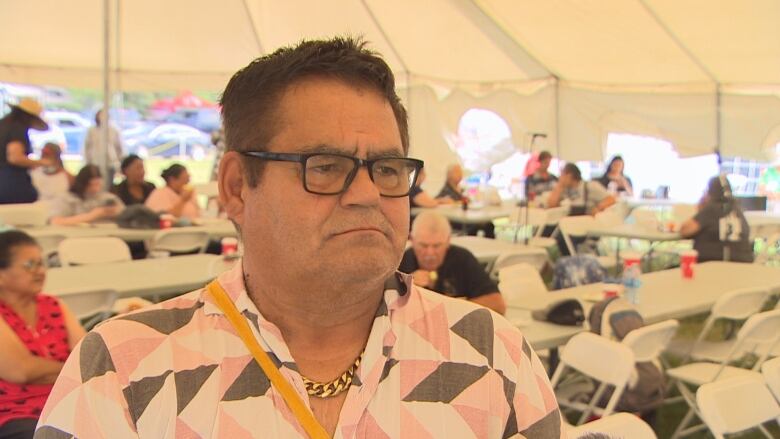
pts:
[427, 237]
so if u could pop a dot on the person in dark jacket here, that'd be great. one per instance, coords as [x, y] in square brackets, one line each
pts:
[15, 182]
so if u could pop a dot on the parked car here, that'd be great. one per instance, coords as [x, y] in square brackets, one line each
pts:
[170, 140]
[204, 119]
[54, 135]
[73, 126]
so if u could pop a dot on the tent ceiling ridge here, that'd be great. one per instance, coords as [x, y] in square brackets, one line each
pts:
[382, 31]
[475, 12]
[679, 42]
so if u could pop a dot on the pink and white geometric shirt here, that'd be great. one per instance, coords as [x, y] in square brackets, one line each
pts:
[433, 367]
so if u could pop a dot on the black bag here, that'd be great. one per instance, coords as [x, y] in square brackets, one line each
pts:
[568, 312]
[614, 318]
[138, 216]
[581, 210]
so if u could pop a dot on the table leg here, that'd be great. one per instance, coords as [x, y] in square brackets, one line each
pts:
[554, 360]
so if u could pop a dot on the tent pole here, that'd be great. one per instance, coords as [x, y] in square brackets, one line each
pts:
[557, 117]
[102, 152]
[718, 127]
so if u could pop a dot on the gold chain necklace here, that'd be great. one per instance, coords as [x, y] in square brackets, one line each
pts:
[335, 387]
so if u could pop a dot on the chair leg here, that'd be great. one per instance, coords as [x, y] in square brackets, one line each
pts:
[678, 431]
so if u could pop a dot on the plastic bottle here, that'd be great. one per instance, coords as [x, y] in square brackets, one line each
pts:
[631, 281]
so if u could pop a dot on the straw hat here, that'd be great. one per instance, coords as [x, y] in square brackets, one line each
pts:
[34, 109]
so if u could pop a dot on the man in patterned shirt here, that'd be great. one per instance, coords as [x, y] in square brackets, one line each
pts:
[316, 179]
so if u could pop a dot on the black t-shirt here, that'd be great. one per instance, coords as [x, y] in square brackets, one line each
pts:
[413, 192]
[450, 192]
[121, 190]
[11, 131]
[460, 275]
[538, 185]
[605, 180]
[720, 230]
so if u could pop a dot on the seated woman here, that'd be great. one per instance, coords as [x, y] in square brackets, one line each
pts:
[133, 189]
[419, 198]
[176, 198]
[614, 180]
[37, 333]
[52, 181]
[719, 230]
[87, 201]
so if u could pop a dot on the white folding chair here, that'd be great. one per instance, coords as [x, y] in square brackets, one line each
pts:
[522, 255]
[598, 358]
[180, 241]
[532, 218]
[24, 214]
[49, 243]
[618, 425]
[735, 306]
[648, 342]
[97, 305]
[771, 372]
[578, 227]
[97, 250]
[519, 280]
[759, 329]
[737, 404]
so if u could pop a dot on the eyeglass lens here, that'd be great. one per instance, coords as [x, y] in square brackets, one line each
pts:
[327, 174]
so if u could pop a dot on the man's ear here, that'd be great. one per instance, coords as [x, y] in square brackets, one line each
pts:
[231, 183]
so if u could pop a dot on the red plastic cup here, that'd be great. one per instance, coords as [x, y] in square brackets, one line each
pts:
[229, 246]
[631, 259]
[688, 260]
[612, 290]
[165, 223]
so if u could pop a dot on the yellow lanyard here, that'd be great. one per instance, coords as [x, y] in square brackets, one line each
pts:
[293, 400]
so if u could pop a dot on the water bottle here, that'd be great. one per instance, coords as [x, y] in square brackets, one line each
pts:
[631, 280]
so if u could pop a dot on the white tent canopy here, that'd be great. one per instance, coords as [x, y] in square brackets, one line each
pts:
[698, 73]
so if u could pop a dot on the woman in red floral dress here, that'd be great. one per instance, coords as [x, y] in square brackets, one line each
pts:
[37, 333]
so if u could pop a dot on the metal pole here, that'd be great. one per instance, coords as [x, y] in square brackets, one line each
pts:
[102, 152]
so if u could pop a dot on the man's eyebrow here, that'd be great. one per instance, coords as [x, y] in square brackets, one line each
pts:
[390, 152]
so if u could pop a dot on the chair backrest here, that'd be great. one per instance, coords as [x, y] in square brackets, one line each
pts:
[519, 280]
[604, 360]
[90, 303]
[180, 241]
[97, 250]
[554, 215]
[740, 304]
[509, 258]
[24, 214]
[736, 404]
[575, 226]
[619, 425]
[760, 329]
[49, 243]
[771, 372]
[649, 341]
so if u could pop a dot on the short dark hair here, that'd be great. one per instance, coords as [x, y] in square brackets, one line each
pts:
[173, 171]
[544, 155]
[80, 183]
[9, 241]
[249, 100]
[572, 170]
[128, 161]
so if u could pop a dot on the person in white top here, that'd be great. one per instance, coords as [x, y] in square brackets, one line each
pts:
[51, 181]
[94, 140]
[177, 197]
[87, 201]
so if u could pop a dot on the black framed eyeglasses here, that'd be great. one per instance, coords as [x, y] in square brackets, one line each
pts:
[331, 174]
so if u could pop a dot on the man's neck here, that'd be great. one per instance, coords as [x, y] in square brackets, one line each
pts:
[324, 333]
